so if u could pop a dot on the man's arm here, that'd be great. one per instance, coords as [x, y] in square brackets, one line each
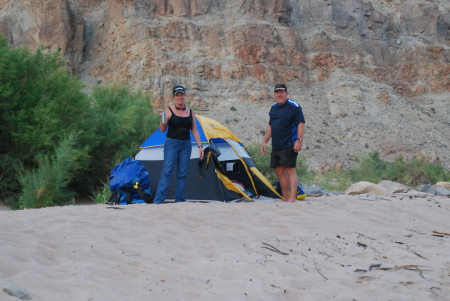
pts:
[300, 131]
[266, 138]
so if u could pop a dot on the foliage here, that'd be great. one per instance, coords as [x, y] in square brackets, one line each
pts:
[373, 169]
[47, 185]
[370, 168]
[262, 161]
[122, 120]
[305, 175]
[413, 173]
[41, 106]
[101, 195]
[333, 180]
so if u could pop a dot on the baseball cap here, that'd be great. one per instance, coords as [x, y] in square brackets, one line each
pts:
[179, 89]
[280, 87]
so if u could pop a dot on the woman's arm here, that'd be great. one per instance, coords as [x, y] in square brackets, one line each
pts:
[163, 126]
[197, 135]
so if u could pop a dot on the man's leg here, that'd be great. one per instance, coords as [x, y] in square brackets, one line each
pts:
[293, 182]
[280, 171]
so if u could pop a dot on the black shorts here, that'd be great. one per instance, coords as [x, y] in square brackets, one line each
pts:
[286, 157]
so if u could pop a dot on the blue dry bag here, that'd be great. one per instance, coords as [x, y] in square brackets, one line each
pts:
[129, 183]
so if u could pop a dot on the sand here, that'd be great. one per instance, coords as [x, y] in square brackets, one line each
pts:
[320, 248]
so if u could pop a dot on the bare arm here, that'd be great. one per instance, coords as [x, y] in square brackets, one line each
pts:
[163, 126]
[266, 138]
[300, 131]
[197, 135]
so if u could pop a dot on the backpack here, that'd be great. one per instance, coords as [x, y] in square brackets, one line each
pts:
[129, 183]
[301, 194]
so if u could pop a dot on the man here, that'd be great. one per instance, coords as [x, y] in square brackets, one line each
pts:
[286, 128]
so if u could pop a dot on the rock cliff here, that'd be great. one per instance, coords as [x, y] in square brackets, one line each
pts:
[369, 75]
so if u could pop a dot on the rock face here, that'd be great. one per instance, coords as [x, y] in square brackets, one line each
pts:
[370, 75]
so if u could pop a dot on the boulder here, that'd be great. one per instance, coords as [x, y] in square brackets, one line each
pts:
[445, 185]
[442, 191]
[427, 188]
[366, 187]
[310, 190]
[393, 187]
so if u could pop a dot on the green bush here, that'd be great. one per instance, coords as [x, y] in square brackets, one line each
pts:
[262, 161]
[370, 168]
[47, 185]
[413, 173]
[102, 194]
[41, 106]
[122, 120]
[333, 180]
[305, 175]
[40, 103]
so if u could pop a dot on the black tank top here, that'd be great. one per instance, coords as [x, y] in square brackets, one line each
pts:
[180, 127]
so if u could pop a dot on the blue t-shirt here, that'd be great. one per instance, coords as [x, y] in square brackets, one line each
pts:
[284, 122]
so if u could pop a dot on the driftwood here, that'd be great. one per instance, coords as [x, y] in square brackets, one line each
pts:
[442, 233]
[403, 267]
[408, 267]
[423, 257]
[314, 260]
[273, 249]
[365, 235]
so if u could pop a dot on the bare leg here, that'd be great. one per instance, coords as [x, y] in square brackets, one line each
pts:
[284, 182]
[293, 182]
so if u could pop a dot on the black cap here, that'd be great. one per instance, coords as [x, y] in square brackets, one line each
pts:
[280, 87]
[179, 89]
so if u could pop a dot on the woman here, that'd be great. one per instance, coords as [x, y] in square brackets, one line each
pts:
[177, 149]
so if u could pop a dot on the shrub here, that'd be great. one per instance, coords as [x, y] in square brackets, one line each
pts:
[102, 194]
[334, 180]
[370, 168]
[47, 185]
[305, 175]
[122, 120]
[40, 106]
[40, 103]
[373, 169]
[262, 161]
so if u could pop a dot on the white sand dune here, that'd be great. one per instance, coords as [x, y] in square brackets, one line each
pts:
[309, 250]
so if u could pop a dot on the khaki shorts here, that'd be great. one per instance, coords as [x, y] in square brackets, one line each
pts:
[286, 157]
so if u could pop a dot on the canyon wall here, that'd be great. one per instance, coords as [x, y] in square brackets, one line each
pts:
[370, 75]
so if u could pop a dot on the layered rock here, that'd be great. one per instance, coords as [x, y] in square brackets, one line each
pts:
[370, 75]
[48, 24]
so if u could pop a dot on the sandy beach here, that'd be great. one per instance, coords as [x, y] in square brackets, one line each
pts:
[364, 247]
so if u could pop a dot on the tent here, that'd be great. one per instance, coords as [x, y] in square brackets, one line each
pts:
[232, 176]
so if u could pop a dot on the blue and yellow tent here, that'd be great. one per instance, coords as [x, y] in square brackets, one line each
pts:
[231, 175]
